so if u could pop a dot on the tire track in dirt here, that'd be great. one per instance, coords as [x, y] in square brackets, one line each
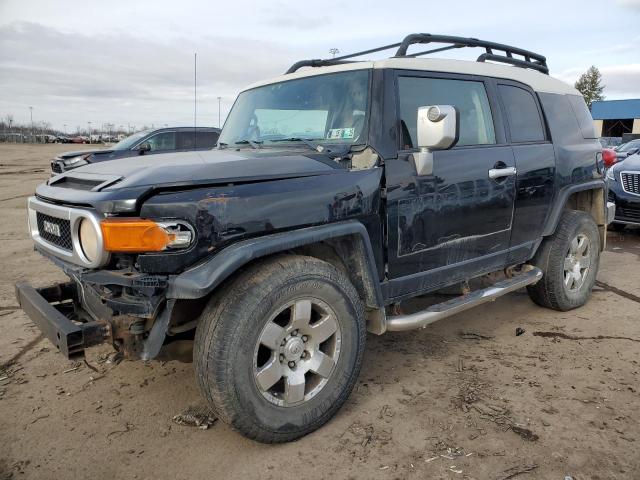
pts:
[577, 337]
[617, 291]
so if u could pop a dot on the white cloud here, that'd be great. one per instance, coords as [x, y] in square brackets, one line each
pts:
[620, 81]
[77, 61]
[633, 4]
[72, 78]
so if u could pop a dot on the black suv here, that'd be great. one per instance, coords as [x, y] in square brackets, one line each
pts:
[160, 140]
[335, 193]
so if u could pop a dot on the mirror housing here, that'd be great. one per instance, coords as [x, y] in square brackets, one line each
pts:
[144, 147]
[438, 129]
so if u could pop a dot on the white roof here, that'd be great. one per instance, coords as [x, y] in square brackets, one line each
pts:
[538, 81]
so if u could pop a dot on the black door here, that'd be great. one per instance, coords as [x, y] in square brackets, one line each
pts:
[535, 161]
[457, 220]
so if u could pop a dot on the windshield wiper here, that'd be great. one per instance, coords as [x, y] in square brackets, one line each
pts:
[307, 141]
[253, 143]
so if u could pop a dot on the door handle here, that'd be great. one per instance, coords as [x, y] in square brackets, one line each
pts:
[502, 172]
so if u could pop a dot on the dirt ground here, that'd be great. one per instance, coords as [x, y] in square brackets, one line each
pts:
[464, 398]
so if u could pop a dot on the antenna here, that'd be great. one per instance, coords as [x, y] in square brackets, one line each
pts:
[195, 97]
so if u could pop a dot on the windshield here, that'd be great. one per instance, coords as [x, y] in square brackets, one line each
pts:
[628, 146]
[129, 142]
[329, 108]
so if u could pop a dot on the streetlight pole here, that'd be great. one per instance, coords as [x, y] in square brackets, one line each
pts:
[65, 128]
[89, 127]
[219, 99]
[31, 113]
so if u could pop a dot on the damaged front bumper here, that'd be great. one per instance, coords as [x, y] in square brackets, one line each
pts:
[49, 308]
[124, 308]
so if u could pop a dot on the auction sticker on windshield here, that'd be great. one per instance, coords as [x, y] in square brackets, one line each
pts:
[336, 133]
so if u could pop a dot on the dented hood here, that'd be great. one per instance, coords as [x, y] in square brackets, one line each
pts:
[208, 166]
[126, 180]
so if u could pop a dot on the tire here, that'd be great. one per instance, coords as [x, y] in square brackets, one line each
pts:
[617, 227]
[234, 367]
[565, 290]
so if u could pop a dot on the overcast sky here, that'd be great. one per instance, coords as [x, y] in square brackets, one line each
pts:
[131, 62]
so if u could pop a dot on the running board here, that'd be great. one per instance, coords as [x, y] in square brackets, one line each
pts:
[399, 323]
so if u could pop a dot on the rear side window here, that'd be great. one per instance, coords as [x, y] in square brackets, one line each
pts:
[583, 115]
[187, 140]
[469, 97]
[525, 123]
[207, 139]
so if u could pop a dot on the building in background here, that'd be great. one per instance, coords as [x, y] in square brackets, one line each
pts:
[617, 118]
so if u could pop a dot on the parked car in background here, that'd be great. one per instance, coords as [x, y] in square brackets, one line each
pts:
[610, 142]
[63, 139]
[626, 149]
[79, 139]
[162, 140]
[624, 190]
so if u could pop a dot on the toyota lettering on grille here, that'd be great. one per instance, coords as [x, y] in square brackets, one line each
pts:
[51, 228]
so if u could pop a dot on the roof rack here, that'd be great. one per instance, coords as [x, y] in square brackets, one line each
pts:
[505, 53]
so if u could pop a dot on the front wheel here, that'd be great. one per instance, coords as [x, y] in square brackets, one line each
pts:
[278, 352]
[569, 260]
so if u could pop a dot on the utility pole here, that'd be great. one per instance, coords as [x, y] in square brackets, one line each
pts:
[219, 99]
[32, 136]
[195, 98]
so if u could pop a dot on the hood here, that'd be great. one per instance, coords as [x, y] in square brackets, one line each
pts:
[65, 155]
[632, 162]
[211, 166]
[117, 185]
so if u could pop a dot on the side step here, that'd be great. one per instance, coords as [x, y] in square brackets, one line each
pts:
[399, 323]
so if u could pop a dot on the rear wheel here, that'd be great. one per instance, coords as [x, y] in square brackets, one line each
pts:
[278, 352]
[569, 259]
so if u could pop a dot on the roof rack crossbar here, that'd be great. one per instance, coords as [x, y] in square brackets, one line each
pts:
[434, 50]
[529, 59]
[337, 60]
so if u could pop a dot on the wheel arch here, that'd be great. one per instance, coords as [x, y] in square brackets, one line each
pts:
[587, 197]
[346, 245]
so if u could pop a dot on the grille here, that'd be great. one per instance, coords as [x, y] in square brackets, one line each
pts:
[64, 226]
[55, 167]
[630, 213]
[630, 182]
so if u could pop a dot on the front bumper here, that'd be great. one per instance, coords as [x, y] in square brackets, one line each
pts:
[611, 212]
[627, 205]
[49, 308]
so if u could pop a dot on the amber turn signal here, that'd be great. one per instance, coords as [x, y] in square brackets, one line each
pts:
[134, 235]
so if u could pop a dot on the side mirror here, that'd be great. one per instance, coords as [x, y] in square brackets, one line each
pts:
[438, 129]
[144, 147]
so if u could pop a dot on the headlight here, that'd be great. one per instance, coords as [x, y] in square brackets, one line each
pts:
[88, 240]
[142, 235]
[610, 174]
[73, 160]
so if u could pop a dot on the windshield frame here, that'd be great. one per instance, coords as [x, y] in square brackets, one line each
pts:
[364, 138]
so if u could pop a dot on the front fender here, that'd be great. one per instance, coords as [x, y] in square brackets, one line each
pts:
[202, 279]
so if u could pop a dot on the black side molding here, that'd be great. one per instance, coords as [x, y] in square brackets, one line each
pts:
[561, 200]
[203, 278]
